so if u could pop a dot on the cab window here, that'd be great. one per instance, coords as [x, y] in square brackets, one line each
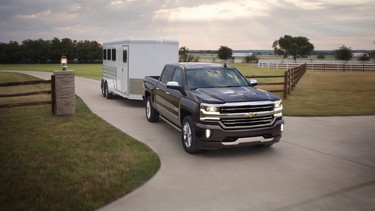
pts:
[167, 75]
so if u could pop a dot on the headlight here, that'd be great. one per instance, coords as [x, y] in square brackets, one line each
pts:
[278, 105]
[210, 108]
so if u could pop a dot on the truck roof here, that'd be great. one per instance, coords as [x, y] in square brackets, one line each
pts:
[198, 65]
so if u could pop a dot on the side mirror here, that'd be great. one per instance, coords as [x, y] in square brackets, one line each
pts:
[253, 82]
[173, 85]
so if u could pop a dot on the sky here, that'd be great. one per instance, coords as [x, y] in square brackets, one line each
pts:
[196, 24]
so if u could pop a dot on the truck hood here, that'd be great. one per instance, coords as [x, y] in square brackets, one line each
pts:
[233, 94]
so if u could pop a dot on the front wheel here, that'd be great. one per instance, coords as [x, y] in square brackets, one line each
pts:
[188, 137]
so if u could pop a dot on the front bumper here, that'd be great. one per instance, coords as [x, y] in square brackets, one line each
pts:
[215, 137]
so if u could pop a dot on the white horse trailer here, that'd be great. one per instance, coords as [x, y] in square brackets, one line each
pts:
[126, 63]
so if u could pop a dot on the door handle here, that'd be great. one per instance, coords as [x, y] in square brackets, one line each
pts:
[166, 92]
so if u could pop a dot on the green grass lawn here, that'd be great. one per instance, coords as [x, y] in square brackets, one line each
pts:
[333, 94]
[75, 162]
[93, 71]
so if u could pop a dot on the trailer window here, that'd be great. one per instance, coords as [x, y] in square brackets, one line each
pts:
[109, 54]
[114, 54]
[104, 54]
[125, 56]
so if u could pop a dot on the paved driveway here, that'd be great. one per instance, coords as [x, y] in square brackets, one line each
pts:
[320, 164]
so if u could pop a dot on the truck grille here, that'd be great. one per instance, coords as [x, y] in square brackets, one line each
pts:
[265, 119]
[241, 123]
[246, 109]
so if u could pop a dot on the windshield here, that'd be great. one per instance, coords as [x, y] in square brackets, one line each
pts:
[215, 78]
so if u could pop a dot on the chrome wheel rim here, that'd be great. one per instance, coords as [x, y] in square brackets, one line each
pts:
[187, 135]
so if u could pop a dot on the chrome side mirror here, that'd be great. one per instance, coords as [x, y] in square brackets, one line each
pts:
[253, 82]
[173, 85]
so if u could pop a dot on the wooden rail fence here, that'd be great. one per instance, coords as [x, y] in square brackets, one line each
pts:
[290, 79]
[34, 103]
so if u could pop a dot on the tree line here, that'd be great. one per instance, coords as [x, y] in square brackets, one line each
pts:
[50, 51]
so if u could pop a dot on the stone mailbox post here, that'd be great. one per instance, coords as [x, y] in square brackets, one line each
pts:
[64, 93]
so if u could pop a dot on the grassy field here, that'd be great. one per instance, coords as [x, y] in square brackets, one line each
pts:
[93, 71]
[75, 162]
[333, 94]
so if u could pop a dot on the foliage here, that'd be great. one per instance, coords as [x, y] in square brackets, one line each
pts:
[321, 56]
[185, 56]
[293, 46]
[225, 52]
[364, 57]
[343, 53]
[252, 59]
[50, 51]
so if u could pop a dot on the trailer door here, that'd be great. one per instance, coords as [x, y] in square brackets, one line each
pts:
[125, 69]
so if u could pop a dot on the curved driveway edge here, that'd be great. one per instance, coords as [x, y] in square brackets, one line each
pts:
[321, 163]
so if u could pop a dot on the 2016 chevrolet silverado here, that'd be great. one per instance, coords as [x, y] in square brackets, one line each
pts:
[214, 106]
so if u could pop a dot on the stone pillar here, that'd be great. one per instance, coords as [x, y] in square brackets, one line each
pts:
[64, 93]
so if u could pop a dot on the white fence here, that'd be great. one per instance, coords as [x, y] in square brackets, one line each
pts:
[325, 65]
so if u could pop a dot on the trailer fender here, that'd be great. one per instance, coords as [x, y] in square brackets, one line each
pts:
[111, 85]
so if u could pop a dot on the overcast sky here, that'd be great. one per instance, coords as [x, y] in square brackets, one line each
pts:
[196, 24]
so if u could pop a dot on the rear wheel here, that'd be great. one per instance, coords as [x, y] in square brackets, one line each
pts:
[151, 114]
[188, 137]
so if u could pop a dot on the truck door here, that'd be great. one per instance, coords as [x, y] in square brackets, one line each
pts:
[124, 59]
[167, 100]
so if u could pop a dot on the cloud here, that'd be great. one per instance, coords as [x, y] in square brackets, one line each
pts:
[198, 24]
[213, 12]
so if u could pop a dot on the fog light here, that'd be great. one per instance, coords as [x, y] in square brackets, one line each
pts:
[282, 127]
[208, 133]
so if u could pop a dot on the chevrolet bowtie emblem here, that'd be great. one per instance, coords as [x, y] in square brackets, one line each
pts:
[250, 115]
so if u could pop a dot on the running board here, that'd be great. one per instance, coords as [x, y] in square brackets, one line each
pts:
[170, 123]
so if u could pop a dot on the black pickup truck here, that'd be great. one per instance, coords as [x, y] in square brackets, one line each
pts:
[214, 106]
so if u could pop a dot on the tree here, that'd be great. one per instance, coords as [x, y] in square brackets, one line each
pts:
[364, 57]
[183, 54]
[50, 51]
[225, 53]
[293, 46]
[321, 55]
[343, 53]
[251, 59]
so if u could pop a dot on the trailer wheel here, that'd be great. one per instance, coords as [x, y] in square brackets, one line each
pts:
[103, 88]
[151, 114]
[107, 94]
[189, 140]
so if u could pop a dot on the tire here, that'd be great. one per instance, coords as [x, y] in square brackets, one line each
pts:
[107, 94]
[103, 88]
[151, 114]
[189, 140]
